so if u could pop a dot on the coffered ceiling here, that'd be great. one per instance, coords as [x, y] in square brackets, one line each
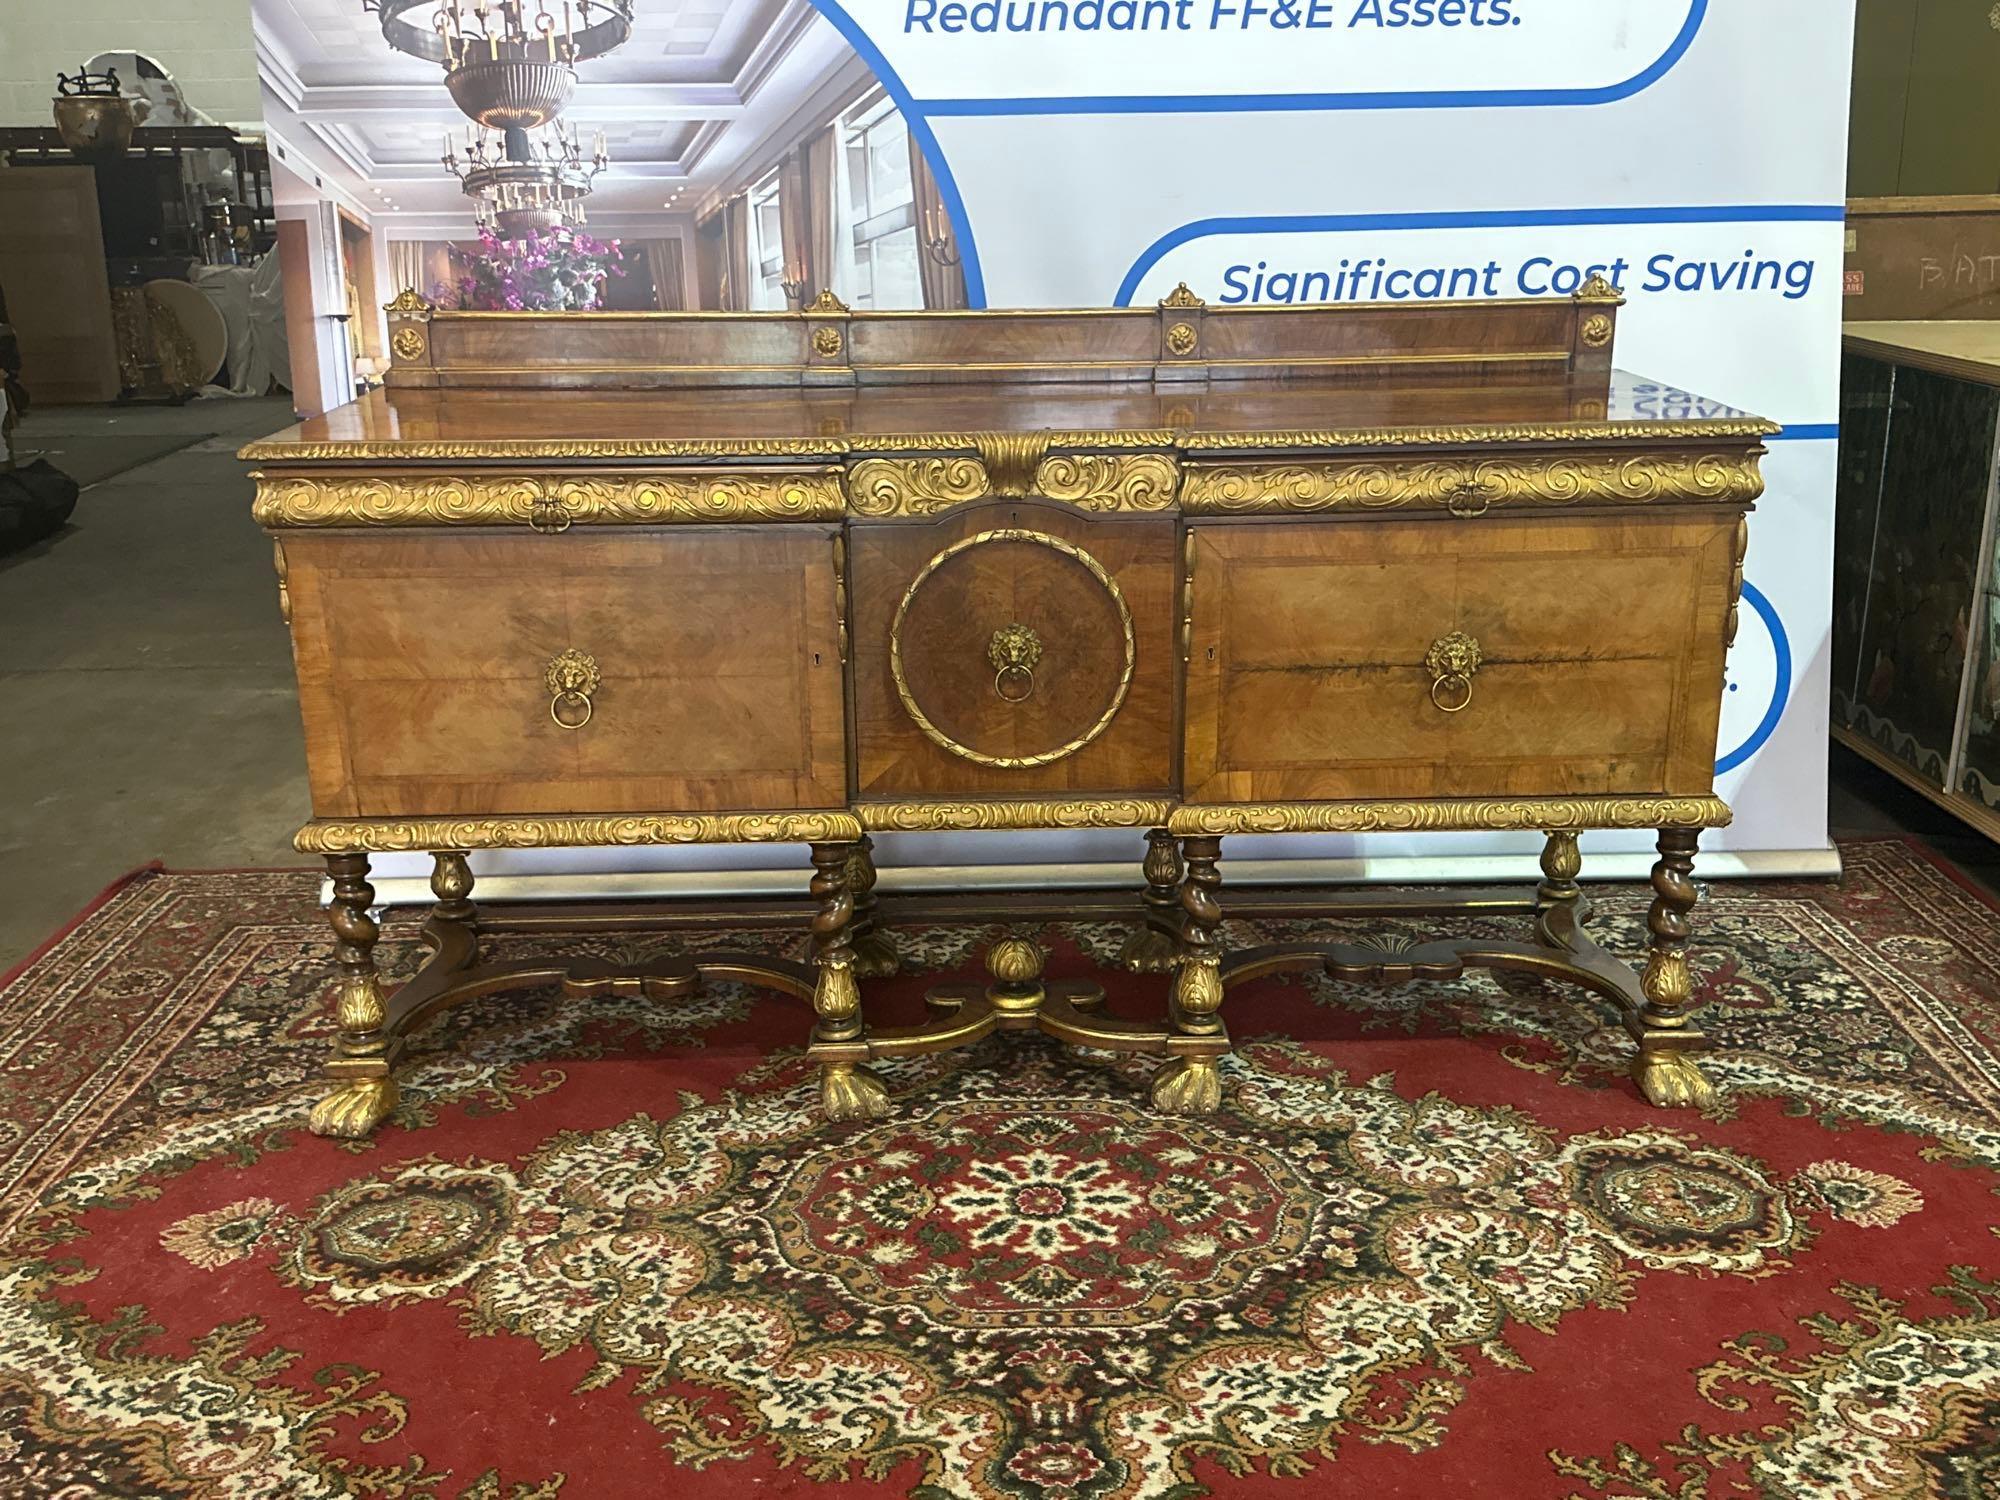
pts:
[692, 101]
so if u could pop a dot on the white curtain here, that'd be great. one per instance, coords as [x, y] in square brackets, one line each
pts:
[843, 278]
[406, 267]
[663, 259]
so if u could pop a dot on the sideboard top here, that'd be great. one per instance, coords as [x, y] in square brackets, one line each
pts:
[1222, 417]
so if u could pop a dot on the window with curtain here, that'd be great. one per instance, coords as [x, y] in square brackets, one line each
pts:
[881, 207]
[767, 249]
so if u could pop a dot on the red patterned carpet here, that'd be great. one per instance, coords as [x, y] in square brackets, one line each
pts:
[1434, 1245]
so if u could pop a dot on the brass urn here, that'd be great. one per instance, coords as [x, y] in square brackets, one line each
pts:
[93, 117]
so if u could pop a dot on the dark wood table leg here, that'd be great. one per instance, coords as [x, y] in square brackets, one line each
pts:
[875, 954]
[1665, 1069]
[1153, 947]
[1190, 1083]
[848, 1090]
[364, 1092]
[1562, 862]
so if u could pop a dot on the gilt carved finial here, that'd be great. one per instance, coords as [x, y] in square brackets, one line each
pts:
[409, 304]
[1598, 289]
[1181, 296]
[826, 302]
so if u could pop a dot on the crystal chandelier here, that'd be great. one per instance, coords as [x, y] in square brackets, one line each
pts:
[521, 183]
[508, 63]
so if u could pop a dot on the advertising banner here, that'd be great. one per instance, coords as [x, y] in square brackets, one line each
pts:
[1284, 151]
[1024, 153]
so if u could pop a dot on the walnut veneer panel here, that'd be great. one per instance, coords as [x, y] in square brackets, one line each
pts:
[1003, 581]
[421, 657]
[1602, 638]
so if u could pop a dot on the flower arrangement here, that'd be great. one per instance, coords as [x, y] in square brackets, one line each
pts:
[561, 270]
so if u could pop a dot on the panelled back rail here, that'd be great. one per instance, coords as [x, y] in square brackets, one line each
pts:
[681, 578]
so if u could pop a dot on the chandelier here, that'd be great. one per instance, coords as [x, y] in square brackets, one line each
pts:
[522, 184]
[508, 63]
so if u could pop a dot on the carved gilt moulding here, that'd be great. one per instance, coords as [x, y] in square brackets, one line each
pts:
[1499, 815]
[407, 835]
[922, 486]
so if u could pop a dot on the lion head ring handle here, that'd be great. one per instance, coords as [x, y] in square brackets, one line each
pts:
[571, 677]
[1014, 651]
[1452, 661]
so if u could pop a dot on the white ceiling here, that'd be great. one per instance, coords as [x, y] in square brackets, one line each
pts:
[701, 92]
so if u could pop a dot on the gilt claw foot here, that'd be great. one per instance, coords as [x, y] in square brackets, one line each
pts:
[848, 1091]
[1188, 1086]
[1149, 951]
[352, 1111]
[1671, 1080]
[876, 956]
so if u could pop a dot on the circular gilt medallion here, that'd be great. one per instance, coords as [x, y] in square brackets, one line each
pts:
[1012, 648]
[1035, 1221]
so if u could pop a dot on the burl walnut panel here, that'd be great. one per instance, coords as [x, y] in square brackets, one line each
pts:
[421, 659]
[1602, 638]
[1009, 580]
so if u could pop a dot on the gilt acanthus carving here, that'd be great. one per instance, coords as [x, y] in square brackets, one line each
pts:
[399, 835]
[1536, 814]
[1011, 460]
[914, 486]
[932, 817]
[548, 504]
[1110, 481]
[1470, 485]
[1102, 482]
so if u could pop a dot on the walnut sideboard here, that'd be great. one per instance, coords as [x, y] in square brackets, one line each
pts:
[616, 579]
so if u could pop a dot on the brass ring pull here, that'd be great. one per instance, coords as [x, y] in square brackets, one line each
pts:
[1014, 651]
[1468, 503]
[1452, 661]
[1025, 676]
[571, 677]
[1461, 689]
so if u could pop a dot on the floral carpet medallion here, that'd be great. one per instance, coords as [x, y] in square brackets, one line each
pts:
[1433, 1244]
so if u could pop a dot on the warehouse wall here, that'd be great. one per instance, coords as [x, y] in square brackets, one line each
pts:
[205, 44]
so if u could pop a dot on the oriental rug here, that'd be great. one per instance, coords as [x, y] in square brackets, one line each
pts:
[1434, 1245]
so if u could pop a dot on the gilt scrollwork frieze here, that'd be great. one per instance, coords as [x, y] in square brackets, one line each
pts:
[928, 486]
[1470, 486]
[1110, 481]
[914, 486]
[548, 504]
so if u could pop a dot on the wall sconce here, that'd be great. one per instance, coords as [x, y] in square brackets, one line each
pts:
[938, 243]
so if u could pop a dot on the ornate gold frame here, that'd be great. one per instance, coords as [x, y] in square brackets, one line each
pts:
[1077, 555]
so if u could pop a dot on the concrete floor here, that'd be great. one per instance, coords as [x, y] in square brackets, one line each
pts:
[146, 701]
[147, 709]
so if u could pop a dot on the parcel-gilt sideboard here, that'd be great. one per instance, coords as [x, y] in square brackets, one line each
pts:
[1198, 571]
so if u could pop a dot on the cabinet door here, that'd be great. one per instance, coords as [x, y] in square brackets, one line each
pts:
[1014, 650]
[425, 659]
[1600, 641]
